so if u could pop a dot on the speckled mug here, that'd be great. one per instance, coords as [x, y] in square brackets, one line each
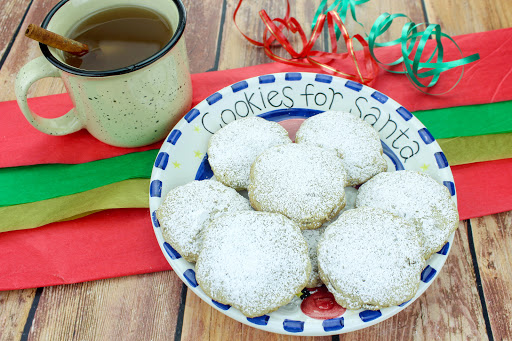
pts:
[127, 107]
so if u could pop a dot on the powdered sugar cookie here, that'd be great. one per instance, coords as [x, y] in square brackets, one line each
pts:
[370, 259]
[188, 209]
[303, 182]
[355, 140]
[233, 149]
[254, 261]
[416, 197]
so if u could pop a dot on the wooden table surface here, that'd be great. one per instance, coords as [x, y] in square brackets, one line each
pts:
[471, 298]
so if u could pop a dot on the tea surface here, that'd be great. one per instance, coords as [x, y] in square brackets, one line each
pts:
[119, 37]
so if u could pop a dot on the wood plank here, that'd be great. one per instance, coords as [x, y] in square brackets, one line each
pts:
[461, 17]
[12, 13]
[236, 51]
[202, 322]
[14, 310]
[15, 305]
[141, 307]
[24, 50]
[201, 33]
[493, 247]
[196, 318]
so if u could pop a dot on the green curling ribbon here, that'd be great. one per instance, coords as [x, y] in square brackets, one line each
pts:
[340, 6]
[413, 43]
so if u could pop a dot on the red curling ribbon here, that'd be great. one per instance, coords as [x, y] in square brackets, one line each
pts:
[274, 32]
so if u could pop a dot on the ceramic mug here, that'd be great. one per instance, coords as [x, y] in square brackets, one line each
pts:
[126, 107]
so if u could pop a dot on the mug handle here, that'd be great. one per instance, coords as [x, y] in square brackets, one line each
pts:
[29, 74]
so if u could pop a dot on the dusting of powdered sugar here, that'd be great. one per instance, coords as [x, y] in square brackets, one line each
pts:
[312, 238]
[254, 261]
[370, 258]
[355, 140]
[416, 197]
[304, 182]
[233, 149]
[187, 209]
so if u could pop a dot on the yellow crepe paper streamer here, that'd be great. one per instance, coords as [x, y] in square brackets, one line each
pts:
[470, 149]
[127, 193]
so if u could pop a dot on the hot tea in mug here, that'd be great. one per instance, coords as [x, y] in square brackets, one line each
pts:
[119, 37]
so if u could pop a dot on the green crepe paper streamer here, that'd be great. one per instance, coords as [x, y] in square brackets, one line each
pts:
[19, 185]
[471, 120]
[127, 193]
[470, 149]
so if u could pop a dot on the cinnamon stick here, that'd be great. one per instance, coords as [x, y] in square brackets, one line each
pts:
[55, 40]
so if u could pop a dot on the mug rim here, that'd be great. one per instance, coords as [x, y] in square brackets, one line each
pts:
[119, 71]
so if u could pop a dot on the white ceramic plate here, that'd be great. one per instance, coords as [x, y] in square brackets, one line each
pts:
[407, 145]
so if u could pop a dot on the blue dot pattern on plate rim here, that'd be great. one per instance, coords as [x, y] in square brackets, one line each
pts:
[331, 325]
[323, 78]
[239, 86]
[441, 160]
[444, 249]
[406, 114]
[293, 76]
[369, 315]
[267, 79]
[190, 276]
[161, 160]
[171, 252]
[292, 326]
[380, 97]
[212, 99]
[259, 320]
[174, 136]
[451, 187]
[156, 223]
[189, 117]
[354, 85]
[155, 188]
[220, 305]
[426, 136]
[402, 304]
[428, 273]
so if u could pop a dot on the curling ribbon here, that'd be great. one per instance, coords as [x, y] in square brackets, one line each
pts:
[308, 57]
[411, 39]
[412, 42]
[340, 6]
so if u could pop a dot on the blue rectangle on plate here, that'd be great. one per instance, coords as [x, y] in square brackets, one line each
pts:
[354, 85]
